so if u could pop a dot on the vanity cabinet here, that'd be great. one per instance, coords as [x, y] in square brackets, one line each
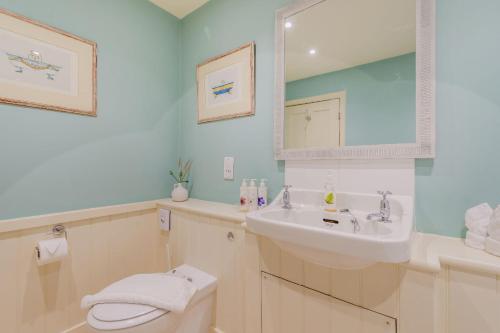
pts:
[288, 307]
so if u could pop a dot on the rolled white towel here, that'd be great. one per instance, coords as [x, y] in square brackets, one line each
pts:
[492, 246]
[474, 240]
[494, 226]
[478, 212]
[496, 212]
[494, 229]
[479, 227]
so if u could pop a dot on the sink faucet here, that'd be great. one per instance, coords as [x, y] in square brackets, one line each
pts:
[354, 220]
[286, 197]
[385, 209]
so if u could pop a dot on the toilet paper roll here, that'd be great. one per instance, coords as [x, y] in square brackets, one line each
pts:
[51, 250]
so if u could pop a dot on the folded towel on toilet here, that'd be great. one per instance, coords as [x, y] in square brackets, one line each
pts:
[474, 240]
[161, 290]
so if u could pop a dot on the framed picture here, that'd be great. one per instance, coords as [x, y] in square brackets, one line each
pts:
[44, 67]
[226, 85]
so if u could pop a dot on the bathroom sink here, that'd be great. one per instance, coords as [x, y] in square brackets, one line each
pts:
[331, 238]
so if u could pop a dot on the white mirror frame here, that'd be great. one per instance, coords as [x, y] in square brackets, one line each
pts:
[425, 96]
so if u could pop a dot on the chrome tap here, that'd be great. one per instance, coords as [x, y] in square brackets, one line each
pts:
[354, 220]
[385, 209]
[286, 197]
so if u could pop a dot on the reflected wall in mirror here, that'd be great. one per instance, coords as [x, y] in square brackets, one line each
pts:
[350, 73]
[355, 79]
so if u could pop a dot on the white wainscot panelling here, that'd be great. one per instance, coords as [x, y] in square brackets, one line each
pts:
[473, 302]
[445, 288]
[418, 306]
[47, 299]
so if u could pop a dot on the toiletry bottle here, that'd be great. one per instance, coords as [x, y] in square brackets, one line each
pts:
[244, 196]
[262, 194]
[252, 195]
[330, 197]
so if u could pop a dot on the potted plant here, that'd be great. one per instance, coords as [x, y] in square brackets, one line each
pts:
[180, 193]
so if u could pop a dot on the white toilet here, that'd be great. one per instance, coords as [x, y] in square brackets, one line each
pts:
[138, 318]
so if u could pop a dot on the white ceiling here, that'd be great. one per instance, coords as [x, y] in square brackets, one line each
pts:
[179, 8]
[349, 33]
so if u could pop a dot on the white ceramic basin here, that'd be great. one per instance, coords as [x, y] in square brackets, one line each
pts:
[303, 231]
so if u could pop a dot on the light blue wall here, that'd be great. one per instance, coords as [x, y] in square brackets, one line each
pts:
[51, 161]
[217, 27]
[380, 99]
[466, 170]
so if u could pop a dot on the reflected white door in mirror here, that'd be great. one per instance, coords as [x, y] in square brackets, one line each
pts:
[355, 79]
[317, 121]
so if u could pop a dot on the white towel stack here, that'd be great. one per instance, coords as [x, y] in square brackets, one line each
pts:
[492, 244]
[477, 220]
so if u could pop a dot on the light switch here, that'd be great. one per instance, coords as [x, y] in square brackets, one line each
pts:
[228, 168]
[164, 216]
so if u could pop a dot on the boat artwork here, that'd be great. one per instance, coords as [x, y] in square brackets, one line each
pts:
[33, 62]
[224, 88]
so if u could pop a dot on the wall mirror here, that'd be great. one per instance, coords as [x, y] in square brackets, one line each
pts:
[355, 79]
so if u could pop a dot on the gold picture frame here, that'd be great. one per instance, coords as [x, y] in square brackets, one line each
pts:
[45, 67]
[226, 85]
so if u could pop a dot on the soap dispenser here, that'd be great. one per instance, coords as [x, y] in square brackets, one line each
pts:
[244, 196]
[330, 197]
[262, 194]
[252, 194]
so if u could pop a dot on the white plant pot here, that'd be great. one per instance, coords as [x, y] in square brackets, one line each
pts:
[179, 193]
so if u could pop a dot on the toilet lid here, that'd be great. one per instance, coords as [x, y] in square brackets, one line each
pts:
[111, 312]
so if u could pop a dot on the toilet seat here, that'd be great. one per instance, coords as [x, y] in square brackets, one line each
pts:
[114, 316]
[137, 318]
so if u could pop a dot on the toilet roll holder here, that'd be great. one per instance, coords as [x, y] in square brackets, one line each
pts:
[59, 230]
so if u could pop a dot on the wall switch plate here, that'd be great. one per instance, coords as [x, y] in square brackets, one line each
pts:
[164, 219]
[228, 168]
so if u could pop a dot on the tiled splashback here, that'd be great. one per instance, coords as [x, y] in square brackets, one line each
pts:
[397, 176]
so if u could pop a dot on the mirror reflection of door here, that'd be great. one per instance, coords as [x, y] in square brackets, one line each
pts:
[365, 48]
[315, 122]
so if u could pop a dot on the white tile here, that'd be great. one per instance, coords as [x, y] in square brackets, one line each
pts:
[354, 175]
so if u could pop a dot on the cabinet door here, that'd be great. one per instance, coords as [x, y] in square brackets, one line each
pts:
[290, 308]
